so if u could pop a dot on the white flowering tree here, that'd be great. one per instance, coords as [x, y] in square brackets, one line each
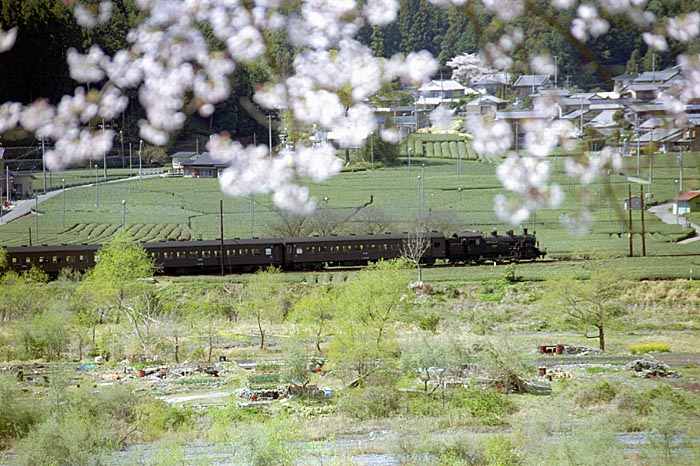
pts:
[181, 54]
[469, 67]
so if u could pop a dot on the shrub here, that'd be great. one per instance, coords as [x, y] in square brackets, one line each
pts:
[156, 418]
[502, 451]
[601, 392]
[650, 348]
[46, 335]
[16, 418]
[270, 443]
[429, 323]
[370, 403]
[486, 407]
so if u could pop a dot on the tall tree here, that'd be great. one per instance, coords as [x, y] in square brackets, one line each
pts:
[586, 304]
[371, 301]
[263, 301]
[314, 312]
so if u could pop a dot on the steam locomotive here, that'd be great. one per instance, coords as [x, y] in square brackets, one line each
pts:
[304, 253]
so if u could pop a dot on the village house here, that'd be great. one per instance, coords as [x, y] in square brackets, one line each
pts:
[204, 166]
[178, 158]
[529, 84]
[687, 202]
[486, 104]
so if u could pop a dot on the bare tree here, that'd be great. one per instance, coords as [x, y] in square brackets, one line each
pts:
[289, 224]
[144, 312]
[373, 219]
[438, 221]
[414, 247]
[325, 221]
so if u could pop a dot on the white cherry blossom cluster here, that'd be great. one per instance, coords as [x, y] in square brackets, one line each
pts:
[170, 62]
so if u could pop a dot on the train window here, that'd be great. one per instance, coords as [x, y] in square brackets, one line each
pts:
[28, 260]
[81, 258]
[70, 259]
[14, 260]
[300, 250]
[54, 260]
[41, 259]
[268, 251]
[256, 251]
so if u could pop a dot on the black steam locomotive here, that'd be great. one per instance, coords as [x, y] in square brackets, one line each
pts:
[308, 253]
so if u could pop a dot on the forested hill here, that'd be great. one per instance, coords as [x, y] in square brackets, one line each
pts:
[36, 66]
[448, 32]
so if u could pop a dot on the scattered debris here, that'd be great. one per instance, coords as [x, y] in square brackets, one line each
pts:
[581, 350]
[567, 349]
[648, 368]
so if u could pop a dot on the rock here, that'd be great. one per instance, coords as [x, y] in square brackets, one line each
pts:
[649, 367]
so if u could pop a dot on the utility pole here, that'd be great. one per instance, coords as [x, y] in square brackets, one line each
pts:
[644, 241]
[36, 212]
[221, 228]
[140, 166]
[97, 189]
[104, 153]
[43, 161]
[269, 134]
[121, 138]
[63, 212]
[629, 209]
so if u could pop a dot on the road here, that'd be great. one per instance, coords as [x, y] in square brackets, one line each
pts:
[24, 207]
[666, 215]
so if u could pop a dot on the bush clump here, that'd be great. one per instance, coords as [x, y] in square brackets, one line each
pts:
[646, 348]
[594, 394]
[16, 418]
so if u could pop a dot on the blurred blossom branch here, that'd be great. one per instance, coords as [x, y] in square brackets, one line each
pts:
[177, 70]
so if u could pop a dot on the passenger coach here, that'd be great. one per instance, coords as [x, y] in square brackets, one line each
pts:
[204, 257]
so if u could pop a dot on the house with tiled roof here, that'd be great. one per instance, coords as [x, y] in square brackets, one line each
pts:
[493, 84]
[438, 92]
[529, 84]
[204, 166]
[178, 158]
[486, 104]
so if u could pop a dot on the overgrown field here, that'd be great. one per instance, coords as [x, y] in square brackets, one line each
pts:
[424, 383]
[366, 369]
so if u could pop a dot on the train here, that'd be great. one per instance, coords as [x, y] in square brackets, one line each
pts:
[203, 257]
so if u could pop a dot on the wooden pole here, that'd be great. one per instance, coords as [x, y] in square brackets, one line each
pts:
[221, 223]
[629, 209]
[644, 241]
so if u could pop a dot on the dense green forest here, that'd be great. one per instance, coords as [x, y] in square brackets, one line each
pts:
[36, 66]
